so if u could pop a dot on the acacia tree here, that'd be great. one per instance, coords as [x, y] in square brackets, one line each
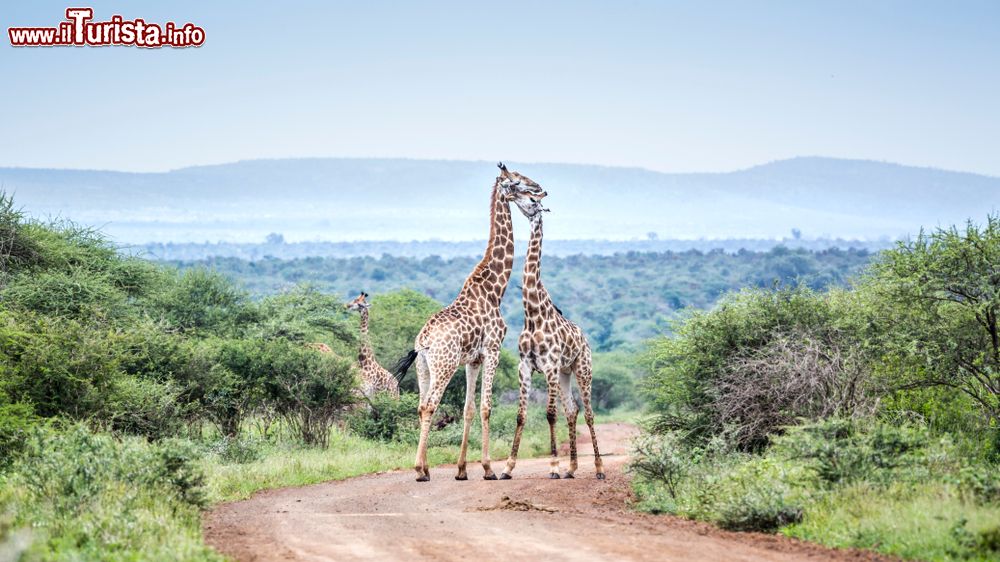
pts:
[945, 288]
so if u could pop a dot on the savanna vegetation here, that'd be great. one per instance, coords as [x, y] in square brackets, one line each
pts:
[134, 395]
[838, 398]
[619, 300]
[862, 416]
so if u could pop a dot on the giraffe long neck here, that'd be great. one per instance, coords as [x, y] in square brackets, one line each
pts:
[489, 278]
[365, 353]
[532, 289]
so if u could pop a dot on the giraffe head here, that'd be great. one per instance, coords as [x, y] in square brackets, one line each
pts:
[522, 191]
[515, 186]
[358, 303]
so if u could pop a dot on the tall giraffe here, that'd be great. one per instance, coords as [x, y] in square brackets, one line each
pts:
[471, 329]
[555, 347]
[374, 378]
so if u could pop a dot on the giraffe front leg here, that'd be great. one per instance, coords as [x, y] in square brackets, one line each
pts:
[550, 415]
[570, 409]
[471, 376]
[485, 403]
[524, 371]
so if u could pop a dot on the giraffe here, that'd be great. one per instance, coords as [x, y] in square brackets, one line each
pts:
[320, 347]
[373, 376]
[555, 347]
[471, 329]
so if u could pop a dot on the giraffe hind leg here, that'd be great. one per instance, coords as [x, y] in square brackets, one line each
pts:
[550, 414]
[584, 377]
[571, 410]
[471, 376]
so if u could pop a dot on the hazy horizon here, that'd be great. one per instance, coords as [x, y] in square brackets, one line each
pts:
[342, 200]
[491, 162]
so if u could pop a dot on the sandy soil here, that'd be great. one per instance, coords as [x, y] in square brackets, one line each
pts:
[389, 516]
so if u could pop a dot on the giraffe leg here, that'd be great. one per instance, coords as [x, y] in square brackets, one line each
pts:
[425, 411]
[550, 414]
[486, 398]
[423, 384]
[571, 410]
[584, 376]
[524, 370]
[471, 376]
[441, 371]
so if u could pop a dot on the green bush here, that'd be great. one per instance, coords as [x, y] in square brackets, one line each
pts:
[199, 300]
[238, 450]
[16, 420]
[843, 451]
[693, 374]
[144, 407]
[88, 496]
[60, 366]
[386, 419]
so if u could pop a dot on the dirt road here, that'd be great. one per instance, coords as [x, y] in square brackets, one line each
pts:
[391, 517]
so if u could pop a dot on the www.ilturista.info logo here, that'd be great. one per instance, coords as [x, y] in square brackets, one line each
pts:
[78, 30]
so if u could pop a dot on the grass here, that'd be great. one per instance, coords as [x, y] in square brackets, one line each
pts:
[283, 464]
[78, 495]
[891, 487]
[928, 522]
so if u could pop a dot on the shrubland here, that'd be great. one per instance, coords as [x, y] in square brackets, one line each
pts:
[134, 395]
[864, 416]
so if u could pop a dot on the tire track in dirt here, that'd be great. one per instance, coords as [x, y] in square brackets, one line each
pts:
[389, 516]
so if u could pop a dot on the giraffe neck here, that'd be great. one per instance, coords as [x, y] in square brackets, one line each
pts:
[489, 279]
[365, 353]
[536, 298]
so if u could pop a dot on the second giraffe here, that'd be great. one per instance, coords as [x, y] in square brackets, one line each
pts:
[552, 345]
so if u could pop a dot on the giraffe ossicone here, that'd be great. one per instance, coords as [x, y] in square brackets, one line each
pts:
[470, 330]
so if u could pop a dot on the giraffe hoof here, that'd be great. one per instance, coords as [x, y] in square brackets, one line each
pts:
[461, 477]
[504, 476]
[600, 476]
[424, 478]
[554, 475]
[569, 475]
[490, 477]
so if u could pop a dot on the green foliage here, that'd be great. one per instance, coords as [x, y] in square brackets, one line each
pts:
[88, 496]
[16, 420]
[942, 298]
[205, 301]
[619, 300]
[892, 486]
[690, 371]
[304, 314]
[60, 366]
[843, 451]
[616, 378]
[386, 419]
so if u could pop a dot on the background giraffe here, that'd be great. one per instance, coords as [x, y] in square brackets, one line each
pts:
[555, 347]
[471, 329]
[374, 378]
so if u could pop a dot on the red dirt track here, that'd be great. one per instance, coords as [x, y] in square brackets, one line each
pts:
[391, 517]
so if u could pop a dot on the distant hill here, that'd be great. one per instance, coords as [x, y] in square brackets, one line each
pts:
[337, 199]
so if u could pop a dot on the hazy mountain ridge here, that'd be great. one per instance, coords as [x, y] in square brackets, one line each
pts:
[383, 199]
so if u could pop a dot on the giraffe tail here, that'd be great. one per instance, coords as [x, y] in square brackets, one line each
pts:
[403, 365]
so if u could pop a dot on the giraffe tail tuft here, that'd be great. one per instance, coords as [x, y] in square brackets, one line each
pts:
[403, 365]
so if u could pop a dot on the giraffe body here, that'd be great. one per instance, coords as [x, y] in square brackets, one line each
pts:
[552, 345]
[374, 378]
[470, 330]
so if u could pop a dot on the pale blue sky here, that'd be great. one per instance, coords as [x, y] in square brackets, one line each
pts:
[698, 86]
